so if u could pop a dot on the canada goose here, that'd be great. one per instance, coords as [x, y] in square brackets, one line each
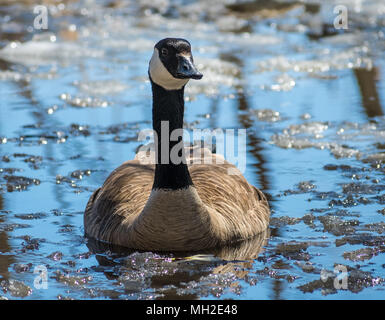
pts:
[174, 207]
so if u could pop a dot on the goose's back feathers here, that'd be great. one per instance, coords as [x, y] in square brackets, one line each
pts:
[220, 208]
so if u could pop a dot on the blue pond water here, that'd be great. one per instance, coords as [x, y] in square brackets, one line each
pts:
[74, 98]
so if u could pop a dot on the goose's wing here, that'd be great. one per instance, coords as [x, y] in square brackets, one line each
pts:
[120, 200]
[223, 188]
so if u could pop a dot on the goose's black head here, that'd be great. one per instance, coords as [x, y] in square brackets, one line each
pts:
[172, 64]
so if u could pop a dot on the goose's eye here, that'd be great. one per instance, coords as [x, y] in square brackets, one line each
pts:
[164, 51]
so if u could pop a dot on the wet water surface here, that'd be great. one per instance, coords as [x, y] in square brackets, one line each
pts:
[74, 98]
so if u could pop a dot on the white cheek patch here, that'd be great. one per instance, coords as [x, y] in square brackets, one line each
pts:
[160, 75]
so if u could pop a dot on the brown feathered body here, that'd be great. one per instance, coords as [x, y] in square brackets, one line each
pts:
[221, 207]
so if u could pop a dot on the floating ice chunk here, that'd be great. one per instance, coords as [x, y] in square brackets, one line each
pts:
[314, 128]
[356, 57]
[42, 52]
[13, 76]
[84, 102]
[16, 288]
[101, 87]
[283, 64]
[216, 73]
[337, 226]
[267, 115]
[343, 152]
[209, 9]
[377, 157]
[288, 142]
[251, 40]
[284, 83]
[308, 135]
[139, 45]
[363, 254]
[231, 23]
[159, 5]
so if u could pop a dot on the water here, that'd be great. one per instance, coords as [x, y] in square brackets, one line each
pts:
[74, 97]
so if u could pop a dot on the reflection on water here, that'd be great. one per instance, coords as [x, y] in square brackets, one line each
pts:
[254, 141]
[75, 96]
[175, 274]
[370, 99]
[5, 258]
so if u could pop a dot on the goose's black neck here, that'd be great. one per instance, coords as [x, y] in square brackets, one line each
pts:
[167, 116]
